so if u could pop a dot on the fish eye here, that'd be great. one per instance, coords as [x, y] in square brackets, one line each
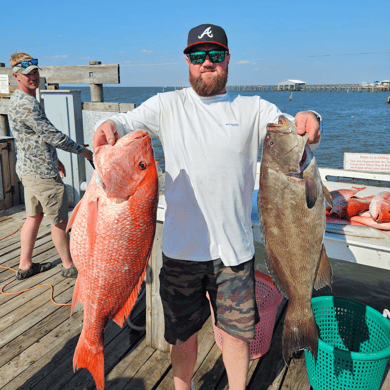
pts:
[271, 143]
[142, 165]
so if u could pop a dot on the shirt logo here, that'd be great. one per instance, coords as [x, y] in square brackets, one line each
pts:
[207, 32]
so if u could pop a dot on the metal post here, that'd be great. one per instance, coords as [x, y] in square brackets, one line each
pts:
[96, 89]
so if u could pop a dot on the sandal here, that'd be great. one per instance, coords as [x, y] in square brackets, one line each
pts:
[69, 272]
[36, 268]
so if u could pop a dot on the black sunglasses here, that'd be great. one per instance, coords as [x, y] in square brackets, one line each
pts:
[199, 57]
[27, 63]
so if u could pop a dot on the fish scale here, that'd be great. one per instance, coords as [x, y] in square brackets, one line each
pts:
[111, 242]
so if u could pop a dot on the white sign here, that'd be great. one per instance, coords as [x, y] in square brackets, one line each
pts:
[367, 162]
[4, 83]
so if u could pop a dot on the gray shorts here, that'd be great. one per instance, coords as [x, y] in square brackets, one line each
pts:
[183, 286]
[45, 195]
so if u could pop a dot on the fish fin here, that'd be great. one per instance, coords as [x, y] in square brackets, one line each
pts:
[125, 310]
[91, 358]
[92, 212]
[311, 192]
[300, 331]
[324, 272]
[77, 303]
[327, 195]
[73, 216]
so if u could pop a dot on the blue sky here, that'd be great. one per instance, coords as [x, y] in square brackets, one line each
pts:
[340, 41]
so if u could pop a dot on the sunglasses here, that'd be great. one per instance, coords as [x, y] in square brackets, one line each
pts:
[199, 57]
[27, 63]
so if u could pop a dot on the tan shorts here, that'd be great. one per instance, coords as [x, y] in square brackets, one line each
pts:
[45, 195]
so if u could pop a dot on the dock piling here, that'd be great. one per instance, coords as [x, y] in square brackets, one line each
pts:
[96, 89]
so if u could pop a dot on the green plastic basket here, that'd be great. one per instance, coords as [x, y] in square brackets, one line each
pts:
[354, 345]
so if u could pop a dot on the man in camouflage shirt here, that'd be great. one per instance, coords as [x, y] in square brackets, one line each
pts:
[39, 168]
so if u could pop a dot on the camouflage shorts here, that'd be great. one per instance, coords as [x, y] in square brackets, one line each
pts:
[183, 286]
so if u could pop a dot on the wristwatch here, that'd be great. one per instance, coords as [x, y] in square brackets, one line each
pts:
[318, 117]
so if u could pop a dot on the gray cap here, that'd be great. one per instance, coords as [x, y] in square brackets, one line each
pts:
[22, 70]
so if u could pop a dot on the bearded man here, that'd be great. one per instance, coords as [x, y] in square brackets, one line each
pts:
[211, 140]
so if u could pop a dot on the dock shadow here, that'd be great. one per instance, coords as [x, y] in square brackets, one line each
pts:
[58, 372]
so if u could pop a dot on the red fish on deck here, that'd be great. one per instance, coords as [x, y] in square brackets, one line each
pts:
[380, 207]
[112, 235]
[345, 204]
[349, 208]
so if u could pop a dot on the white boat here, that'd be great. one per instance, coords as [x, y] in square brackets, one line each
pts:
[355, 244]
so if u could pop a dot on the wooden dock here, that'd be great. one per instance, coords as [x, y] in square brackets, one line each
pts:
[310, 88]
[38, 338]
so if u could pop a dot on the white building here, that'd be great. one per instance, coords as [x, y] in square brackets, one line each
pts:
[291, 85]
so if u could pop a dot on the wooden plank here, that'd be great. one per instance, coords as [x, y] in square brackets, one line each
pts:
[14, 177]
[33, 317]
[106, 106]
[152, 371]
[13, 211]
[35, 332]
[206, 341]
[296, 377]
[9, 230]
[58, 329]
[127, 368]
[210, 371]
[89, 106]
[38, 362]
[50, 254]
[6, 202]
[386, 378]
[27, 296]
[154, 311]
[78, 74]
[12, 251]
[116, 341]
[271, 368]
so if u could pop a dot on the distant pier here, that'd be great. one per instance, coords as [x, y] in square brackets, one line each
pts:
[310, 88]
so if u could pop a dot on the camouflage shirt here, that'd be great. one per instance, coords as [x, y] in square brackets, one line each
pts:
[36, 137]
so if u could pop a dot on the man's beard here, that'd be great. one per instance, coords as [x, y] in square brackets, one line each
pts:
[209, 89]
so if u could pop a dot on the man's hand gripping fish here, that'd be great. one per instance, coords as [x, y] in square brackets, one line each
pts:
[113, 229]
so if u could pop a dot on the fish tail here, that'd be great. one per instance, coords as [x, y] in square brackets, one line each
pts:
[300, 331]
[91, 358]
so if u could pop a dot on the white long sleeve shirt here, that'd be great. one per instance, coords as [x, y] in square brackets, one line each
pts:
[211, 147]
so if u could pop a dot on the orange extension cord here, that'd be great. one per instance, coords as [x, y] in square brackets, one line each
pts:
[20, 292]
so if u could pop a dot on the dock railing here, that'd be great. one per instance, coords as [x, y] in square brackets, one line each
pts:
[310, 88]
[95, 74]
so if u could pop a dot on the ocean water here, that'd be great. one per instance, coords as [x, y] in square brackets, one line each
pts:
[357, 122]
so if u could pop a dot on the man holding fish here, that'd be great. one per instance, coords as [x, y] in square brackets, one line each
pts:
[39, 168]
[211, 140]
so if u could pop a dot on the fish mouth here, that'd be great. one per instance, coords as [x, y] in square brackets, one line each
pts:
[140, 134]
[279, 128]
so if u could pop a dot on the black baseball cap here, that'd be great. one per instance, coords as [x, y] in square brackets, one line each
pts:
[206, 33]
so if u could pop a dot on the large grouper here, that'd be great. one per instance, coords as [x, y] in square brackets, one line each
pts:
[291, 202]
[113, 228]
